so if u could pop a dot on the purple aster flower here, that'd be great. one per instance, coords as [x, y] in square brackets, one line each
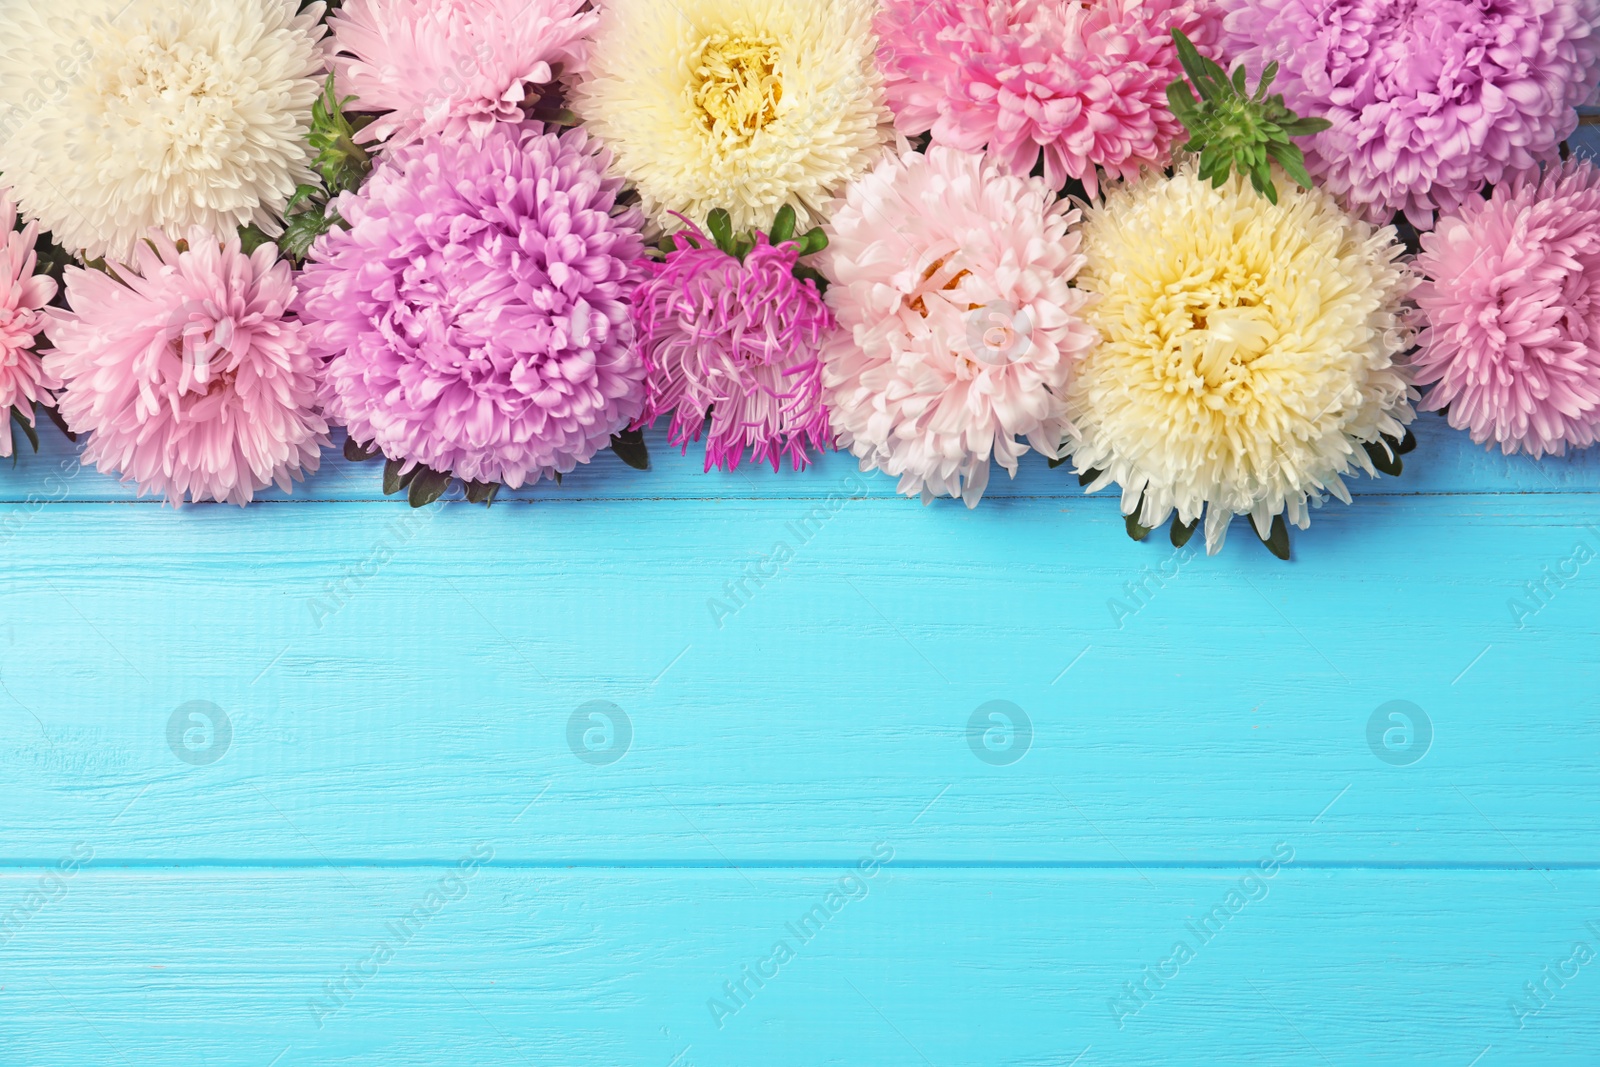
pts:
[1429, 99]
[740, 342]
[476, 313]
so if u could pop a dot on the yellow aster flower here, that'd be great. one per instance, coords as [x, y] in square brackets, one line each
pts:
[746, 105]
[1248, 351]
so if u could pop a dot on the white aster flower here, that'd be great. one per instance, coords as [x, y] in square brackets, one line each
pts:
[119, 116]
[1247, 355]
[745, 105]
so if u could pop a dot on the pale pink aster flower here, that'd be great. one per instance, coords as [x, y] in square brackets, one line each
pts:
[23, 381]
[1083, 83]
[452, 67]
[187, 371]
[1512, 300]
[959, 326]
[1429, 99]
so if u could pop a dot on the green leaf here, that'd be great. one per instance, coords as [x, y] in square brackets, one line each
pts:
[1382, 458]
[1298, 127]
[1261, 182]
[742, 246]
[720, 223]
[427, 486]
[393, 480]
[482, 492]
[1292, 160]
[1180, 100]
[1406, 444]
[1238, 81]
[1267, 77]
[1131, 524]
[1277, 541]
[1194, 65]
[812, 242]
[1088, 476]
[27, 430]
[1059, 461]
[630, 448]
[356, 452]
[1180, 533]
[252, 237]
[783, 226]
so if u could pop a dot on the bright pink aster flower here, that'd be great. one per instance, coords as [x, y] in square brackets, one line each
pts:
[1512, 300]
[187, 374]
[476, 312]
[1429, 99]
[23, 381]
[1085, 83]
[738, 342]
[453, 66]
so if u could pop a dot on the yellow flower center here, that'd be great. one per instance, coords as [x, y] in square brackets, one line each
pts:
[736, 86]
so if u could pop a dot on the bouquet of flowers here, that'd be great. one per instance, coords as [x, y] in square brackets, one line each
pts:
[1214, 253]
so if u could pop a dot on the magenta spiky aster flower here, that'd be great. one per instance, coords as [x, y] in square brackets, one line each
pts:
[738, 342]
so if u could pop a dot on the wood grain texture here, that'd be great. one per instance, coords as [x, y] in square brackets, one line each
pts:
[400, 688]
[913, 967]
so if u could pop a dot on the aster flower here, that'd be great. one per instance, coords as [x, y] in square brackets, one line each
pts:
[729, 331]
[476, 313]
[746, 105]
[1083, 84]
[23, 382]
[1429, 99]
[453, 67]
[1512, 301]
[187, 372]
[1247, 361]
[960, 329]
[122, 116]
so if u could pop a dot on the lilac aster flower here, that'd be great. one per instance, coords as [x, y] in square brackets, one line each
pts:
[476, 313]
[740, 342]
[1429, 99]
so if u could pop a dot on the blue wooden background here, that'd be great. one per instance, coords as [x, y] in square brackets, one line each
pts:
[718, 770]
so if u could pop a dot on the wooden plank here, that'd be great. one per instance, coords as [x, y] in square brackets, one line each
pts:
[909, 967]
[429, 696]
[1446, 461]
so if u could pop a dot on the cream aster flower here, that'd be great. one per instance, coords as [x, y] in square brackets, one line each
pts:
[959, 325]
[122, 116]
[745, 105]
[1247, 354]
